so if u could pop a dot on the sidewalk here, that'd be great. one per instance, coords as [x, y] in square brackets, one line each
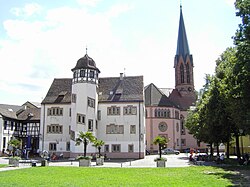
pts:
[172, 161]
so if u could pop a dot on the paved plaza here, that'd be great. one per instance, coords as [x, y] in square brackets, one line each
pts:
[180, 160]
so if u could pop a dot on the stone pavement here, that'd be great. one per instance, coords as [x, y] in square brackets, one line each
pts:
[172, 161]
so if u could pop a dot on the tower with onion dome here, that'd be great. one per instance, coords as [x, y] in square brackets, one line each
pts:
[84, 100]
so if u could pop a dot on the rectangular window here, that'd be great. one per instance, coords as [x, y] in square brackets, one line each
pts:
[91, 74]
[52, 147]
[67, 146]
[177, 141]
[73, 97]
[80, 118]
[69, 112]
[114, 129]
[5, 125]
[4, 142]
[91, 102]
[55, 111]
[90, 125]
[129, 110]
[11, 125]
[82, 73]
[113, 110]
[183, 142]
[54, 129]
[72, 135]
[106, 148]
[99, 115]
[132, 129]
[116, 148]
[131, 148]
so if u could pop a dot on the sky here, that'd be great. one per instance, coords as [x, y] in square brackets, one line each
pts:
[42, 39]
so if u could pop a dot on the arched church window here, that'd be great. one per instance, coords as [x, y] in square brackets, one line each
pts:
[168, 113]
[188, 73]
[156, 112]
[182, 73]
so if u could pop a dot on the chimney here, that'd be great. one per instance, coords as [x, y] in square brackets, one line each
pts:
[121, 76]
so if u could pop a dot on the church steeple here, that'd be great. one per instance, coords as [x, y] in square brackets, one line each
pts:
[182, 42]
[183, 62]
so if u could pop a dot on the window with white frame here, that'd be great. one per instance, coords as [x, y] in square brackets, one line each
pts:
[116, 148]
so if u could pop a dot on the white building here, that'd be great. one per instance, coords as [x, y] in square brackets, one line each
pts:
[111, 108]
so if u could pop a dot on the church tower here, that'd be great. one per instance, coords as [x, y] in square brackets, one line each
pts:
[183, 63]
[84, 100]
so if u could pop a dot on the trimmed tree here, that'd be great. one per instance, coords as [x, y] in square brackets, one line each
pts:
[85, 138]
[161, 142]
[98, 144]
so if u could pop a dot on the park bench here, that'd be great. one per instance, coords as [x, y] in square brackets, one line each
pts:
[199, 163]
[71, 160]
[28, 162]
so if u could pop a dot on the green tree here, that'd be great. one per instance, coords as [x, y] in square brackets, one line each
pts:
[161, 142]
[98, 144]
[85, 138]
[14, 143]
[241, 70]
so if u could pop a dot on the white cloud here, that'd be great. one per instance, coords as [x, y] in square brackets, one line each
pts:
[39, 51]
[118, 9]
[91, 3]
[27, 10]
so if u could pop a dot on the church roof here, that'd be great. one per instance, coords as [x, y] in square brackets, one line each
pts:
[85, 63]
[184, 102]
[121, 89]
[182, 42]
[59, 92]
[155, 97]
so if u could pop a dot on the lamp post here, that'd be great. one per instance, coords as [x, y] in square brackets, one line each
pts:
[241, 139]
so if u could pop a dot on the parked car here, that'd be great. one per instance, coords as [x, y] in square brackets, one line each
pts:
[167, 151]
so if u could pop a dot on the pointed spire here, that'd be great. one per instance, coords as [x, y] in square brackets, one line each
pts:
[182, 42]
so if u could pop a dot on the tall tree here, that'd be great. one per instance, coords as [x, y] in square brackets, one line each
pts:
[241, 70]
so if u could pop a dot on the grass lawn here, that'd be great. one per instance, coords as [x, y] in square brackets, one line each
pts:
[2, 166]
[75, 176]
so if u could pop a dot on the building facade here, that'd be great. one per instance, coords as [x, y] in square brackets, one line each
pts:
[111, 108]
[166, 109]
[20, 122]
